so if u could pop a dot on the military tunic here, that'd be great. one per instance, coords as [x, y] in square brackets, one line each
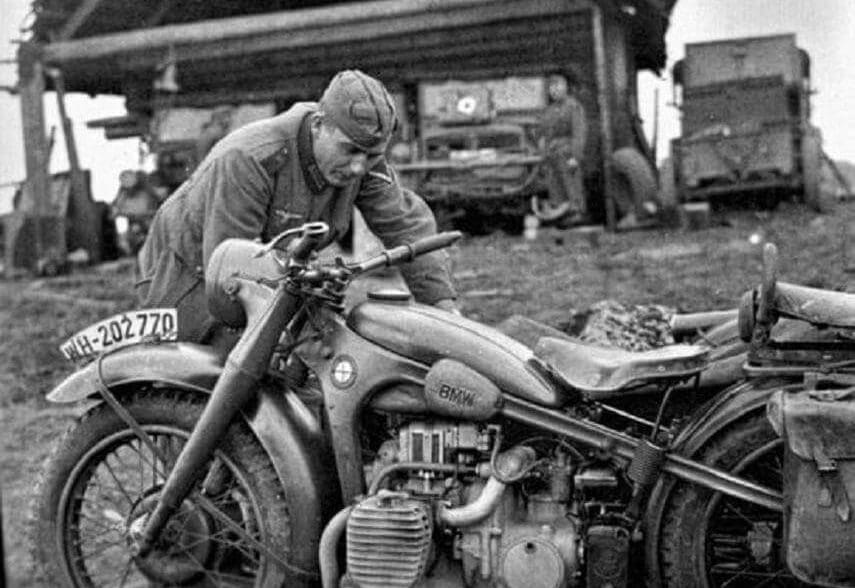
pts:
[565, 132]
[257, 182]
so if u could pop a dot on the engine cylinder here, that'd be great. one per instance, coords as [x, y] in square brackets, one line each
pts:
[388, 541]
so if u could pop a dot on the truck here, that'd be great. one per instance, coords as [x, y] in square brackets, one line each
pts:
[475, 157]
[745, 122]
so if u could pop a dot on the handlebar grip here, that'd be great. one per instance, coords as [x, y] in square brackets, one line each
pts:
[434, 242]
[766, 299]
[313, 234]
[407, 252]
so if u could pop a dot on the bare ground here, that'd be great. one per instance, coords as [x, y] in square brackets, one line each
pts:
[498, 276]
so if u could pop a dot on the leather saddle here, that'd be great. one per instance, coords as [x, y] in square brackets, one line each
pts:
[600, 371]
[819, 307]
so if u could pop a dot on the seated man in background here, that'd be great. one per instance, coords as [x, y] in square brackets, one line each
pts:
[564, 133]
[313, 162]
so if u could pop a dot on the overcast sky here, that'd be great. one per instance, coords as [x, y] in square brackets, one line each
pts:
[823, 27]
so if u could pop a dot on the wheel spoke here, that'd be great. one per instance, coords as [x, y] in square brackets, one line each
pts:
[215, 576]
[729, 505]
[126, 573]
[739, 573]
[119, 486]
[225, 519]
[144, 461]
[777, 575]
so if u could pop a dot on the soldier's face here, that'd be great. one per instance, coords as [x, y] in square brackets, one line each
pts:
[557, 87]
[339, 159]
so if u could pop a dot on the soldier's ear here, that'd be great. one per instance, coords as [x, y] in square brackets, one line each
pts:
[316, 121]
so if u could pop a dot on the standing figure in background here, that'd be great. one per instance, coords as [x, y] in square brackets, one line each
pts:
[564, 134]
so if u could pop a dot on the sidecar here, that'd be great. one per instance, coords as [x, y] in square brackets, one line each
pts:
[816, 422]
[818, 426]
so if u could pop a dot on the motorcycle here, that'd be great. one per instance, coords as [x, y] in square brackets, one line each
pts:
[398, 444]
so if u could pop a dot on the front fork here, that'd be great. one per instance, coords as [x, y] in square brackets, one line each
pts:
[245, 365]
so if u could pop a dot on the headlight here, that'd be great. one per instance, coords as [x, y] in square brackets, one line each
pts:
[235, 258]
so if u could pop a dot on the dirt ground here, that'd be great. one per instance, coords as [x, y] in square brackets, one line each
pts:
[498, 276]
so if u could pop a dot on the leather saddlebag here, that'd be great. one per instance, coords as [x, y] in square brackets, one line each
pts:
[818, 427]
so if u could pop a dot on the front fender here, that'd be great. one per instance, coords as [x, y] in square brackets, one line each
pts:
[288, 431]
[183, 365]
[292, 436]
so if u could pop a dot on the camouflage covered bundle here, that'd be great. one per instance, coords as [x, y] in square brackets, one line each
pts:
[634, 328]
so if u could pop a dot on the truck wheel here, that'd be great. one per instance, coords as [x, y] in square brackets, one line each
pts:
[635, 188]
[814, 196]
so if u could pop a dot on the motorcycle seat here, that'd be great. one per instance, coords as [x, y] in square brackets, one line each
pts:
[819, 307]
[600, 370]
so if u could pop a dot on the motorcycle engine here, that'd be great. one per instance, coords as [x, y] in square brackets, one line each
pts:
[388, 541]
[527, 537]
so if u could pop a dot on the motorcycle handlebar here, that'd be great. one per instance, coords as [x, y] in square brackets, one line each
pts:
[407, 252]
[313, 234]
[434, 242]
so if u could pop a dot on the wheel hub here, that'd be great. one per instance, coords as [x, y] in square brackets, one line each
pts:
[184, 548]
[761, 539]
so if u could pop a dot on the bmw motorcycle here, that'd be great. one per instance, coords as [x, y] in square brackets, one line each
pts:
[397, 444]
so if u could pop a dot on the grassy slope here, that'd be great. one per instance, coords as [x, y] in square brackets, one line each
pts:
[35, 316]
[498, 276]
[692, 271]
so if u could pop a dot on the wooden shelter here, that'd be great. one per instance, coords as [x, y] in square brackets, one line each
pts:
[212, 52]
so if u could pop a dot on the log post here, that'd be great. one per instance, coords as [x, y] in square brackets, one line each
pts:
[36, 188]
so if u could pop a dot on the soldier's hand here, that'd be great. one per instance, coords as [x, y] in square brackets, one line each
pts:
[448, 305]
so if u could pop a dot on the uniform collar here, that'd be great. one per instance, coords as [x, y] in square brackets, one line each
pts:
[311, 172]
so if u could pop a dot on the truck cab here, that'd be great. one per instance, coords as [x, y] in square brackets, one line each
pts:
[745, 121]
[476, 152]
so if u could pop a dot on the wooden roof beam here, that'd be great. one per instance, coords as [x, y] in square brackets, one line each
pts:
[299, 28]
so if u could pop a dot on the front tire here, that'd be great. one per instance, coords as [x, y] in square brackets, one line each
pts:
[711, 540]
[102, 479]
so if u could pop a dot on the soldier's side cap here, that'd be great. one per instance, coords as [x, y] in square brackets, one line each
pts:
[361, 107]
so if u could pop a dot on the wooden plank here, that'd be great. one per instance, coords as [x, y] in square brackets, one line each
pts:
[300, 28]
[606, 140]
[78, 19]
[523, 47]
[32, 86]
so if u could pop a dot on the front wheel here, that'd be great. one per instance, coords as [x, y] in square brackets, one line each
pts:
[103, 480]
[712, 540]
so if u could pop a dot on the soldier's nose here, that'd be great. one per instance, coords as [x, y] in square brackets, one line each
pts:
[357, 164]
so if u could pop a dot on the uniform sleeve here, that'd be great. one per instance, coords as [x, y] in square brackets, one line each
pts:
[580, 128]
[237, 198]
[398, 216]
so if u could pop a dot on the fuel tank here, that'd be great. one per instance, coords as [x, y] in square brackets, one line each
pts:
[427, 335]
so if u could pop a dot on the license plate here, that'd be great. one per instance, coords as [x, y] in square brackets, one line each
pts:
[120, 330]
